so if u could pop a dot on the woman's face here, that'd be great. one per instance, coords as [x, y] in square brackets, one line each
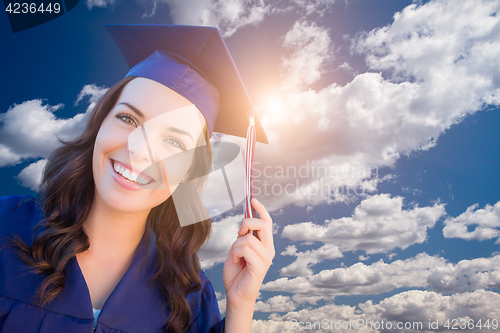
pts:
[145, 146]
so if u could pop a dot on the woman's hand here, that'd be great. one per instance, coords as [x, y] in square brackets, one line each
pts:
[243, 285]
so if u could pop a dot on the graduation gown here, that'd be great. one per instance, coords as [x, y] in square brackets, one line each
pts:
[131, 307]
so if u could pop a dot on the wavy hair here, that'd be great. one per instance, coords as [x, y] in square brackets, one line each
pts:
[67, 192]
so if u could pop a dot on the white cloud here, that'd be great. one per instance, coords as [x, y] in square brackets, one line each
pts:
[414, 306]
[276, 304]
[224, 233]
[7, 156]
[428, 44]
[221, 301]
[435, 64]
[311, 45]
[466, 275]
[31, 130]
[450, 50]
[422, 306]
[363, 258]
[93, 93]
[421, 271]
[31, 176]
[378, 224]
[99, 3]
[227, 15]
[314, 6]
[300, 267]
[486, 221]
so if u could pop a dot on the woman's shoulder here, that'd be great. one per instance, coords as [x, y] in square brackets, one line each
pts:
[13, 202]
[203, 278]
[207, 293]
[18, 214]
[207, 290]
[204, 307]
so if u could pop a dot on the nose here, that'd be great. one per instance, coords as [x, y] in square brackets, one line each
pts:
[138, 146]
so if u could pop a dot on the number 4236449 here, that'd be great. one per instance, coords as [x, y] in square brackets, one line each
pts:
[25, 8]
[462, 324]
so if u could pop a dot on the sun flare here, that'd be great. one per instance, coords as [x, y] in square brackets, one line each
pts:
[274, 108]
[275, 104]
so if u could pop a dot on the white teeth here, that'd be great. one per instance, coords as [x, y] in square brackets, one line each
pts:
[130, 175]
[133, 176]
[141, 180]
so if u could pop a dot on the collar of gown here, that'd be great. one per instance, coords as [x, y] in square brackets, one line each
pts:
[133, 304]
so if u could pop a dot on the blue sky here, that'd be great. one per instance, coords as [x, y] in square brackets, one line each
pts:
[398, 100]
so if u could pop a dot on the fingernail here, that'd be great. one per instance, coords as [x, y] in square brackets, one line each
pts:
[256, 200]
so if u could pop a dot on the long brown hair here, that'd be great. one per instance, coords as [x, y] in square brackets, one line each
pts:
[67, 193]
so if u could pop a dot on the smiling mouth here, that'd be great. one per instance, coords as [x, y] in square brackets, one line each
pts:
[130, 175]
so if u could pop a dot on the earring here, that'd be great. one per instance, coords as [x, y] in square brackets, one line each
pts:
[182, 178]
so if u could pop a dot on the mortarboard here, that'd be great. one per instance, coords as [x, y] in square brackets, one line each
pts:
[196, 63]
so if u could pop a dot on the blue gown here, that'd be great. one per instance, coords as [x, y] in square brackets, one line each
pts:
[131, 307]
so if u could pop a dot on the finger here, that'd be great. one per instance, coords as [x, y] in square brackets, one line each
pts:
[231, 268]
[256, 246]
[253, 260]
[264, 231]
[263, 214]
[252, 224]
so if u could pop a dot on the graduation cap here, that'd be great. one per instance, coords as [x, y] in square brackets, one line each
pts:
[196, 63]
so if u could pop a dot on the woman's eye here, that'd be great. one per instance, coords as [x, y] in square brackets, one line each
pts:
[127, 118]
[176, 143]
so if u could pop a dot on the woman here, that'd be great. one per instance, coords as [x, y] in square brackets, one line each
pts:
[110, 236]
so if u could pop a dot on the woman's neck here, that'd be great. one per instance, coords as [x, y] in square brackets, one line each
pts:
[113, 233]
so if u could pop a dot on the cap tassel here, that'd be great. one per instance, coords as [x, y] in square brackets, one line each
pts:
[249, 163]
[248, 210]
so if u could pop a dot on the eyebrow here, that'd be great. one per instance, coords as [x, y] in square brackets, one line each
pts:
[178, 130]
[136, 110]
[140, 114]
